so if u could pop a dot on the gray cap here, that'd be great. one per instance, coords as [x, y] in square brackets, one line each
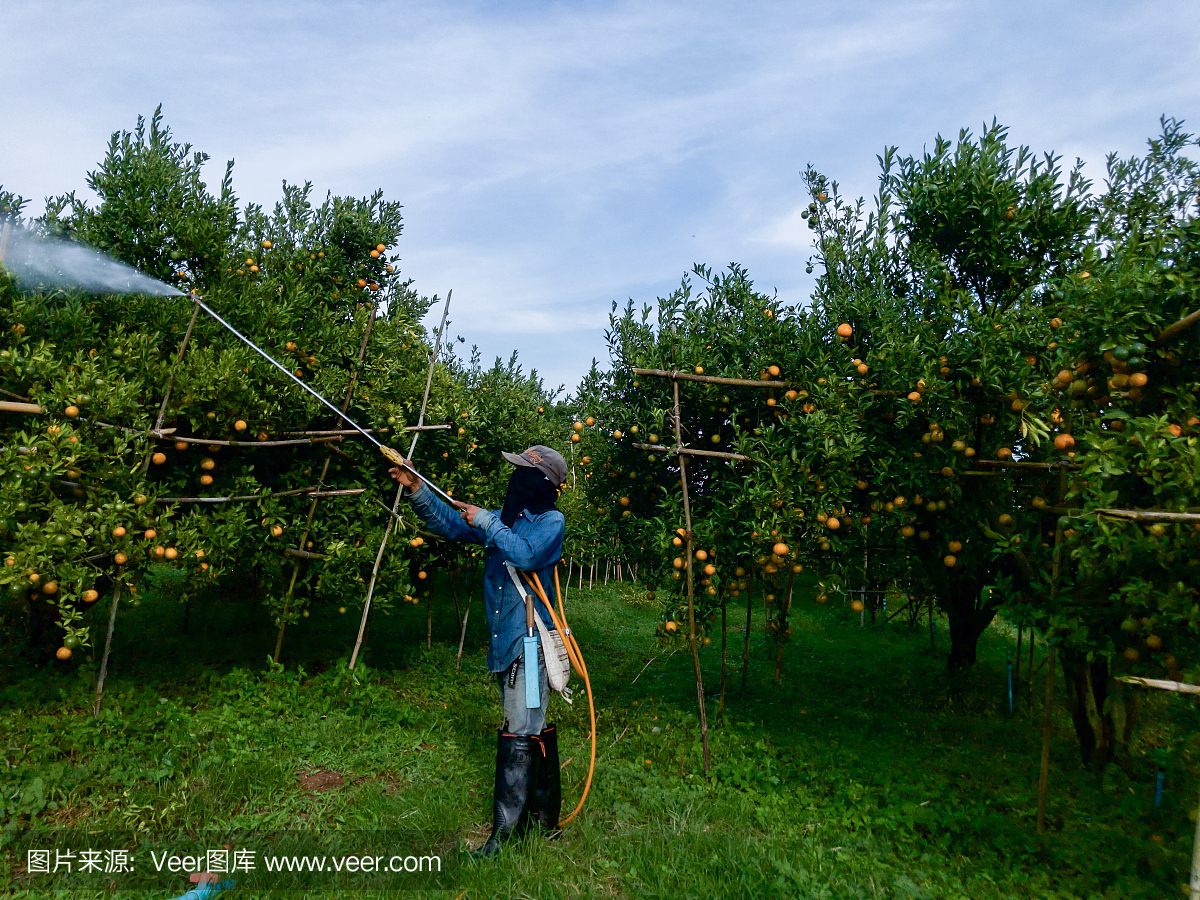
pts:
[549, 462]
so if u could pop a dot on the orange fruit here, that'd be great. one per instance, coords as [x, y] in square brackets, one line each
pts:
[239, 425]
[1004, 453]
[702, 555]
[50, 587]
[833, 524]
[774, 371]
[150, 534]
[618, 435]
[1154, 642]
[710, 570]
[206, 480]
[63, 652]
[844, 330]
[171, 553]
[914, 396]
[118, 532]
[158, 458]
[574, 438]
[71, 412]
[857, 605]
[780, 549]
[908, 531]
[91, 596]
[120, 559]
[422, 575]
[677, 562]
[699, 370]
[949, 560]
[955, 547]
[207, 463]
[1175, 430]
[1064, 442]
[266, 245]
[672, 626]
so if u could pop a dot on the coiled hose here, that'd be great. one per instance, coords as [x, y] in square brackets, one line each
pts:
[576, 657]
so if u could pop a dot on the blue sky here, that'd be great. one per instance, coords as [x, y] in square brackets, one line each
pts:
[555, 157]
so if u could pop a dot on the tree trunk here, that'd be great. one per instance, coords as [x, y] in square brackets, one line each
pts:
[1094, 725]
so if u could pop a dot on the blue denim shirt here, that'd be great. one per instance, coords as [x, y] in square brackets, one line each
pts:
[533, 544]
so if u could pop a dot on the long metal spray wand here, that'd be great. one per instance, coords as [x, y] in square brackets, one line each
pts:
[390, 454]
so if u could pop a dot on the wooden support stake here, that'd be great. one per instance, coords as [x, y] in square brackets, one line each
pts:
[112, 621]
[362, 625]
[687, 521]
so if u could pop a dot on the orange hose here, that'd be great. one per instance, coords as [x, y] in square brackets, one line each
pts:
[576, 657]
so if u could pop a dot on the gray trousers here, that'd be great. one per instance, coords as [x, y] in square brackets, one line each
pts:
[517, 718]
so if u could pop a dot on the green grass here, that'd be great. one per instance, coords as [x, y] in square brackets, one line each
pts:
[864, 772]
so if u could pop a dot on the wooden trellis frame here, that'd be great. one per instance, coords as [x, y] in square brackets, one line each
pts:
[683, 453]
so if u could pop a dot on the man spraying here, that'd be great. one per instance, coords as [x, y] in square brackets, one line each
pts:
[527, 534]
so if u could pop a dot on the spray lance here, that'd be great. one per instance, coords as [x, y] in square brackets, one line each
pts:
[392, 455]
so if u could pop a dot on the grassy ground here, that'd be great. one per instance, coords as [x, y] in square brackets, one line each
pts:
[864, 772]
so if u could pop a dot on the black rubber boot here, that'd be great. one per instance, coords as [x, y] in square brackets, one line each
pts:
[547, 804]
[517, 764]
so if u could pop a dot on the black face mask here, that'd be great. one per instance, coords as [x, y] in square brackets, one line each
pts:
[528, 489]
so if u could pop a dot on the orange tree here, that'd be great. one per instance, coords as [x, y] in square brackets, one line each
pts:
[1127, 387]
[87, 490]
[939, 297]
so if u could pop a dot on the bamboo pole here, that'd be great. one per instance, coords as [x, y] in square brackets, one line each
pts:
[112, 621]
[688, 451]
[1149, 515]
[687, 521]
[12, 406]
[304, 554]
[1160, 683]
[676, 375]
[387, 531]
[1173, 331]
[1018, 464]
[293, 493]
[312, 507]
[250, 445]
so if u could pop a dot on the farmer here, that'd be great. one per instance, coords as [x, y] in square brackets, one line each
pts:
[528, 533]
